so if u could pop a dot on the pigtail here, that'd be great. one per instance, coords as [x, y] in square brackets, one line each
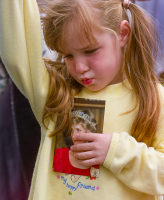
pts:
[140, 58]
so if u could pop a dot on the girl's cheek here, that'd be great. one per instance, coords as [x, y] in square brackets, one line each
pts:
[69, 64]
[72, 71]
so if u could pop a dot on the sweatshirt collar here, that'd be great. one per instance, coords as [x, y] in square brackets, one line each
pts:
[111, 91]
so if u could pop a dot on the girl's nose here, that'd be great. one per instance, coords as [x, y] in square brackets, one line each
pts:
[81, 67]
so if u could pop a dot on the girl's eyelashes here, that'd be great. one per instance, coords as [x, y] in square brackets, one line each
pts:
[90, 51]
[68, 56]
[86, 52]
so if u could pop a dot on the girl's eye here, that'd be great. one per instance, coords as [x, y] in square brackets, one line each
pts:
[78, 130]
[90, 51]
[68, 56]
[71, 130]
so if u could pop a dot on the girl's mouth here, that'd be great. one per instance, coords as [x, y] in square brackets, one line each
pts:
[87, 81]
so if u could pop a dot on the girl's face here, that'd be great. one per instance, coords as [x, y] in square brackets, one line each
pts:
[94, 66]
[76, 129]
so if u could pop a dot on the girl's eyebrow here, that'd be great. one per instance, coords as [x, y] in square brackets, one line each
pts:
[86, 47]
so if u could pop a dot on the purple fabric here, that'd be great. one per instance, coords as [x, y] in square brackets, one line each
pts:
[156, 9]
[12, 181]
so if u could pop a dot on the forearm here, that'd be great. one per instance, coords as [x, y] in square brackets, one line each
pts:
[136, 165]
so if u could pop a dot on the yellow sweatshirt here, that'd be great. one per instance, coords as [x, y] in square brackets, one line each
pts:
[131, 170]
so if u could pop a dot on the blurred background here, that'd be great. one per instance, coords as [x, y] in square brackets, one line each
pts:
[20, 132]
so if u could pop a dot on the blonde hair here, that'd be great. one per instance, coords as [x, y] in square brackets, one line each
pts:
[139, 58]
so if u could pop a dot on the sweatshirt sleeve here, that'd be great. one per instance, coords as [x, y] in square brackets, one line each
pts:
[21, 50]
[136, 165]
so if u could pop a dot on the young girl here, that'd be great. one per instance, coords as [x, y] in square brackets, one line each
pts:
[107, 51]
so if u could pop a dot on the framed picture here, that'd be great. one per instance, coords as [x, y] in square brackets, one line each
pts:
[87, 117]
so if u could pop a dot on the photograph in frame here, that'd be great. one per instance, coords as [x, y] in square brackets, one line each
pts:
[87, 117]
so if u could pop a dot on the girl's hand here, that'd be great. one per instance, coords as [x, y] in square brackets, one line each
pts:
[94, 150]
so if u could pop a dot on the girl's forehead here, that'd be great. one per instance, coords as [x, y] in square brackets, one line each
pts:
[77, 36]
[78, 45]
[79, 41]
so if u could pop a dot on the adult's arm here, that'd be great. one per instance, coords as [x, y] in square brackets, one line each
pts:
[21, 50]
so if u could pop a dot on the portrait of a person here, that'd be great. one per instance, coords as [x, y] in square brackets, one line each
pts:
[83, 122]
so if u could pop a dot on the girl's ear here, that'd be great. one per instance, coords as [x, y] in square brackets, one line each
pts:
[124, 33]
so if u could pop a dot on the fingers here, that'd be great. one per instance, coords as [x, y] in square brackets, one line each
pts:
[93, 152]
[87, 155]
[89, 162]
[85, 137]
[84, 155]
[89, 158]
[82, 147]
